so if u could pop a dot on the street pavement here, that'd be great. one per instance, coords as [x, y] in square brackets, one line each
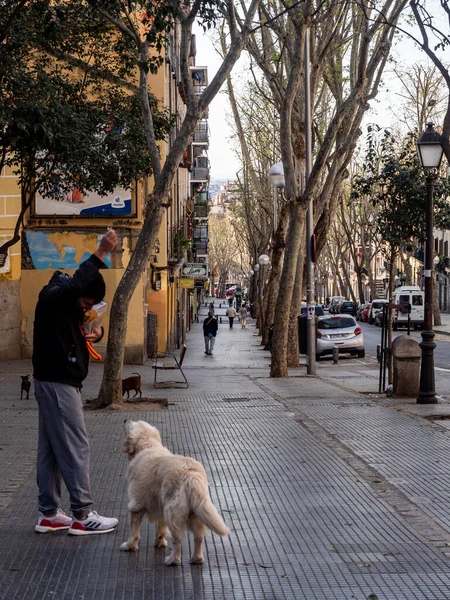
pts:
[372, 337]
[330, 490]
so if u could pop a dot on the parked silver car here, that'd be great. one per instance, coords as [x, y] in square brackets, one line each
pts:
[340, 331]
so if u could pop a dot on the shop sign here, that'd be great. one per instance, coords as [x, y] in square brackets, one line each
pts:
[186, 282]
[195, 270]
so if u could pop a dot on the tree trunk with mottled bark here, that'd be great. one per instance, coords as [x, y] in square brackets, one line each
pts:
[111, 388]
[279, 244]
[296, 303]
[282, 315]
[436, 310]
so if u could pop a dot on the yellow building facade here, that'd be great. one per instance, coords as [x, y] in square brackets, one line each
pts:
[59, 235]
[10, 315]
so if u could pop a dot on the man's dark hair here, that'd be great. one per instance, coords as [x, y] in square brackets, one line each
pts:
[96, 289]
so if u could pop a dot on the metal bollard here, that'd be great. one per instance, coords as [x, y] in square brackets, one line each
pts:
[220, 305]
[335, 356]
[220, 319]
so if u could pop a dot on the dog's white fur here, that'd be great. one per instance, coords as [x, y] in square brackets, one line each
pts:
[170, 489]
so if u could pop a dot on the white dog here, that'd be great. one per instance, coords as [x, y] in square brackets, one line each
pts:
[170, 489]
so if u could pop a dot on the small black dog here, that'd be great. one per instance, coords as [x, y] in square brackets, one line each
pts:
[26, 385]
[130, 384]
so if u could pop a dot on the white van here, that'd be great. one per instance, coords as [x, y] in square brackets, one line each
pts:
[405, 296]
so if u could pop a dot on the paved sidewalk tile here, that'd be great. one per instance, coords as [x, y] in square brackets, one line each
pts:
[305, 524]
[417, 460]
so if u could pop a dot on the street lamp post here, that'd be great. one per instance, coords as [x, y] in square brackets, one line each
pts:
[276, 174]
[250, 274]
[430, 155]
[263, 260]
[310, 238]
[256, 291]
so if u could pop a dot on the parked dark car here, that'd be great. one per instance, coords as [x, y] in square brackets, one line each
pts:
[348, 308]
[318, 310]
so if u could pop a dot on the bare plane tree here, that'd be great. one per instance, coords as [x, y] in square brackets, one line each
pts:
[350, 45]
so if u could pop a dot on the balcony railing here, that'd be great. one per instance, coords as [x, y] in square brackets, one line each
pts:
[201, 248]
[200, 174]
[199, 89]
[201, 133]
[201, 234]
[199, 75]
[201, 198]
[175, 253]
[201, 161]
[200, 211]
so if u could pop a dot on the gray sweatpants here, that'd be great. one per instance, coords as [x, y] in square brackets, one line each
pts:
[209, 343]
[63, 447]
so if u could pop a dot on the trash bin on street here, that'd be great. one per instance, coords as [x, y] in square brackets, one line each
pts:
[269, 343]
[301, 320]
[406, 355]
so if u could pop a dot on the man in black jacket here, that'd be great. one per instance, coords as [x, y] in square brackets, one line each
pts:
[210, 328]
[60, 362]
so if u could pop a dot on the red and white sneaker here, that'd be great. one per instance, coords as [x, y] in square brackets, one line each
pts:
[94, 523]
[55, 523]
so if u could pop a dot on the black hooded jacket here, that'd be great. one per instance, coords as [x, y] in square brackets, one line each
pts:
[210, 326]
[59, 347]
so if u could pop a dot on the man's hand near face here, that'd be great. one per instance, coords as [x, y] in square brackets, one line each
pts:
[95, 335]
[107, 244]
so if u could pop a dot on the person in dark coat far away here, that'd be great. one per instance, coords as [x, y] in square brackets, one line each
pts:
[210, 328]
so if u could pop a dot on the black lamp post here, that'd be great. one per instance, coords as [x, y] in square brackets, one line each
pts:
[430, 155]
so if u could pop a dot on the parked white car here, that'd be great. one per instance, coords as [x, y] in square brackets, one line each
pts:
[376, 309]
[342, 332]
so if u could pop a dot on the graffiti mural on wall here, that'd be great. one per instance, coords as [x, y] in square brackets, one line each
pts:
[64, 250]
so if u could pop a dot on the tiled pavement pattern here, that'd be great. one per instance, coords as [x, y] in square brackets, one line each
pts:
[304, 523]
[415, 461]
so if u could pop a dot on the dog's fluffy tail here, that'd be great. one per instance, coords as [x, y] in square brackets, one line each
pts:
[207, 512]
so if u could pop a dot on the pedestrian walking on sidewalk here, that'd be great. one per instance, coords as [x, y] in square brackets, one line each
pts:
[210, 328]
[211, 306]
[60, 363]
[231, 314]
[243, 313]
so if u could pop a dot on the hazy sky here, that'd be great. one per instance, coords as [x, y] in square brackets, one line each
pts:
[224, 164]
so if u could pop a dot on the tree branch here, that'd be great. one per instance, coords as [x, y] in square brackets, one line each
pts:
[231, 58]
